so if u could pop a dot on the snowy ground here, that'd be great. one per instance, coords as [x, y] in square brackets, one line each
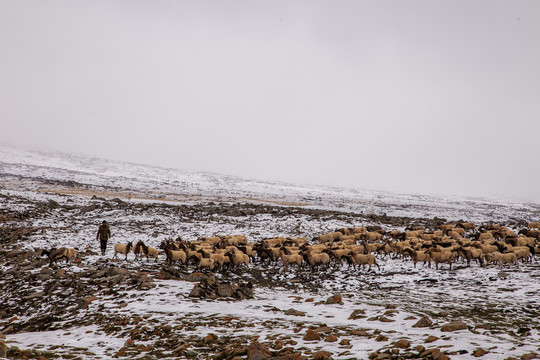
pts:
[67, 196]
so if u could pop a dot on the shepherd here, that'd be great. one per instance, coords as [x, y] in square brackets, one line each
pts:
[103, 234]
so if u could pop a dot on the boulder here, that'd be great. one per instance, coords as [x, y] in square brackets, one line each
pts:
[257, 351]
[357, 314]
[334, 299]
[423, 322]
[311, 335]
[294, 312]
[454, 326]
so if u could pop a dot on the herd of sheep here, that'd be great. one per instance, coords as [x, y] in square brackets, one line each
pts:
[358, 246]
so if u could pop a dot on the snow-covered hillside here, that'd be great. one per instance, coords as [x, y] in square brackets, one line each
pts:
[122, 179]
[98, 307]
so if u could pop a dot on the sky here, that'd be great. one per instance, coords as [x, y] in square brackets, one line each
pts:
[430, 97]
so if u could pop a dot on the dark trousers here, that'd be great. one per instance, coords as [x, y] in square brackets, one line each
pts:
[103, 245]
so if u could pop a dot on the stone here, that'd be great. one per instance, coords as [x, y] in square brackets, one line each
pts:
[423, 322]
[226, 290]
[85, 301]
[197, 291]
[200, 277]
[322, 355]
[357, 314]
[431, 339]
[530, 356]
[479, 352]
[402, 344]
[311, 335]
[210, 338]
[334, 299]
[331, 338]
[257, 351]
[381, 338]
[454, 326]
[295, 312]
[3, 349]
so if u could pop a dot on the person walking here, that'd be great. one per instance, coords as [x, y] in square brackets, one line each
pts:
[103, 234]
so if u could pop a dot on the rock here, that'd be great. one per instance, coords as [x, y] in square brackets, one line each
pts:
[257, 351]
[226, 290]
[129, 343]
[321, 355]
[479, 352]
[3, 349]
[431, 339]
[331, 338]
[200, 277]
[454, 326]
[530, 356]
[345, 342]
[197, 291]
[311, 335]
[423, 322]
[35, 295]
[210, 338]
[334, 299]
[60, 273]
[357, 314]
[402, 344]
[191, 354]
[114, 271]
[245, 291]
[85, 301]
[294, 312]
[381, 338]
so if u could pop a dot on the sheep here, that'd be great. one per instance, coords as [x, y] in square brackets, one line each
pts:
[176, 255]
[467, 225]
[337, 254]
[534, 225]
[137, 249]
[441, 257]
[501, 259]
[315, 259]
[420, 255]
[238, 258]
[522, 253]
[220, 259]
[203, 263]
[56, 254]
[291, 259]
[149, 251]
[264, 252]
[122, 249]
[363, 259]
[471, 253]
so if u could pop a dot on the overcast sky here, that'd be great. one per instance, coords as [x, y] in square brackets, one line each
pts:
[435, 97]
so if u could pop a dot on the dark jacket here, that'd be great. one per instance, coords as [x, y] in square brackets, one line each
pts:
[104, 233]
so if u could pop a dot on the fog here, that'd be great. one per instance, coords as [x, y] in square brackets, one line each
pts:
[405, 96]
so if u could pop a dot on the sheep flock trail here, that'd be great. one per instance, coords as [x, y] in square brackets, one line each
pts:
[97, 307]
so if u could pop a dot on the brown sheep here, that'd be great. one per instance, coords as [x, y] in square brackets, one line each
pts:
[439, 257]
[315, 259]
[534, 225]
[501, 259]
[364, 259]
[291, 259]
[419, 255]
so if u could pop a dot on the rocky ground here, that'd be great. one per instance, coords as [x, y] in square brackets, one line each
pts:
[111, 306]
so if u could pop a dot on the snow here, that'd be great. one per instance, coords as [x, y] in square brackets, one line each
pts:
[411, 291]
